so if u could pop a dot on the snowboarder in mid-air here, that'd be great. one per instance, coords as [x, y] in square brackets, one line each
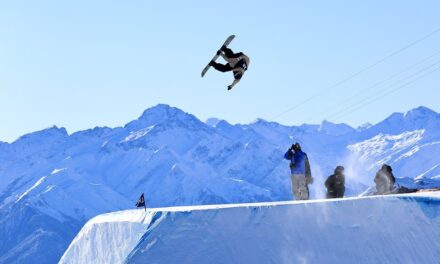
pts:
[238, 63]
[300, 173]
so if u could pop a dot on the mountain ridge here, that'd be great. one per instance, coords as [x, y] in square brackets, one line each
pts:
[167, 110]
[176, 159]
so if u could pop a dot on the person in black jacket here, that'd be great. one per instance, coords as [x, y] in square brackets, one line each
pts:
[385, 180]
[336, 184]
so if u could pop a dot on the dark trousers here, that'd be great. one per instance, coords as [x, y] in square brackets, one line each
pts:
[338, 193]
[222, 67]
[230, 54]
[226, 67]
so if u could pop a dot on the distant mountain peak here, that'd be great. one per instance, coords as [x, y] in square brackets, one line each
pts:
[261, 121]
[335, 129]
[421, 111]
[162, 110]
[413, 114]
[258, 121]
[417, 118]
[159, 114]
[364, 126]
[49, 132]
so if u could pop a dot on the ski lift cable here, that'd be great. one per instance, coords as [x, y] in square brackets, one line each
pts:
[383, 91]
[323, 91]
[369, 100]
[377, 98]
[369, 88]
[392, 91]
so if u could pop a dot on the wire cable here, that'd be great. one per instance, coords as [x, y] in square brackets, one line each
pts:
[323, 91]
[369, 88]
[381, 96]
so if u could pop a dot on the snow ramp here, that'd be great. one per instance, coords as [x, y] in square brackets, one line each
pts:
[379, 229]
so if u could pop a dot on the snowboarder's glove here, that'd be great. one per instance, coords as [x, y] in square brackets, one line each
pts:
[229, 87]
[219, 52]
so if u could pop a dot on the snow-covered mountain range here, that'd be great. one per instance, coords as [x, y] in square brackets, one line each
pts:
[51, 182]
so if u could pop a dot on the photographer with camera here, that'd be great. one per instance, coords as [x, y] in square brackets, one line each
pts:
[300, 173]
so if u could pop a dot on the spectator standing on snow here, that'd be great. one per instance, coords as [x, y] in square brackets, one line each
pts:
[300, 173]
[335, 184]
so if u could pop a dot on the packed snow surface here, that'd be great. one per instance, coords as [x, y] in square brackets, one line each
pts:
[379, 229]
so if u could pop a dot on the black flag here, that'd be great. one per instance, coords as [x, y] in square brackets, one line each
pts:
[141, 202]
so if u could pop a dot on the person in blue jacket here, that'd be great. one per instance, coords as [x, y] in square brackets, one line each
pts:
[300, 173]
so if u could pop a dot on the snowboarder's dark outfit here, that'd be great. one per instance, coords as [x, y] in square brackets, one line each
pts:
[336, 184]
[238, 63]
[301, 175]
[385, 180]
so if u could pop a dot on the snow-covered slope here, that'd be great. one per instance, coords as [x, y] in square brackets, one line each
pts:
[108, 238]
[51, 182]
[380, 229]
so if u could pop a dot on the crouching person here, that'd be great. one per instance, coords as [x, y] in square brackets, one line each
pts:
[385, 180]
[300, 172]
[335, 184]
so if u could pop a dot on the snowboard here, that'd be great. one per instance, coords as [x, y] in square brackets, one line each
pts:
[227, 42]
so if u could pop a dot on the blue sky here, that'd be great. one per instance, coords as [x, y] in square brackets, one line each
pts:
[80, 64]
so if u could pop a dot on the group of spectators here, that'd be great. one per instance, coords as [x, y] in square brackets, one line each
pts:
[301, 177]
